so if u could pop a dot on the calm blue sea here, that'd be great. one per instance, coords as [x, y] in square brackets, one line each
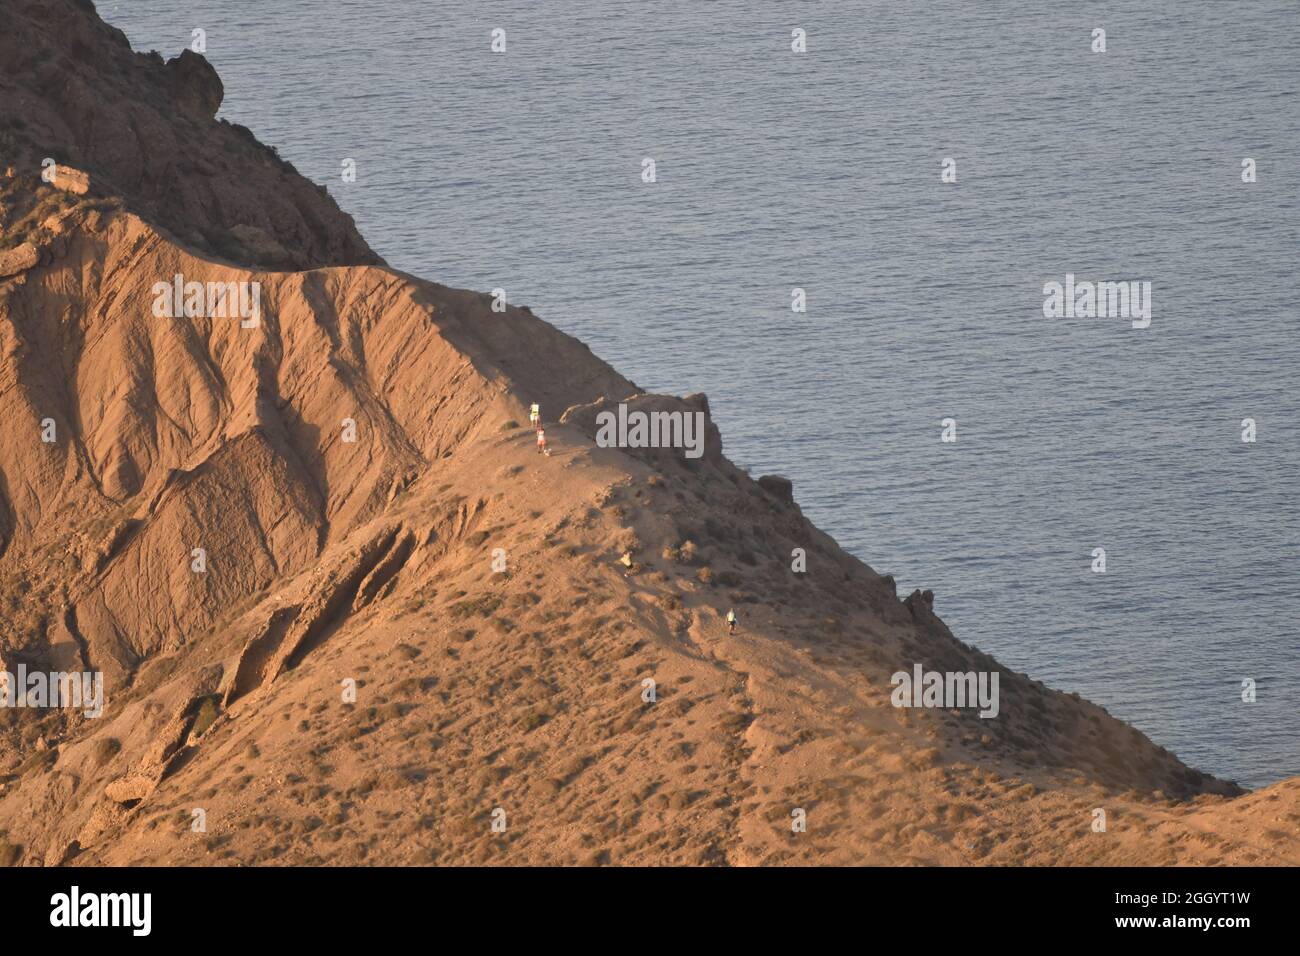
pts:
[822, 171]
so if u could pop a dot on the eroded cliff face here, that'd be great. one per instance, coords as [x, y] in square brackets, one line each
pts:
[270, 437]
[73, 91]
[342, 605]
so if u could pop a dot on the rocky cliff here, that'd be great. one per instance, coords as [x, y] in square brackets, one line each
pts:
[345, 612]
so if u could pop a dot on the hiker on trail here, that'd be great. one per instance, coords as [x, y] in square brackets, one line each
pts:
[535, 415]
[541, 443]
[731, 621]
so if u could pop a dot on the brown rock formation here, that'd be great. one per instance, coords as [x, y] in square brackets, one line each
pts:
[342, 605]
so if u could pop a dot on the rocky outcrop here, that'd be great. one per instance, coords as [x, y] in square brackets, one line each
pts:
[18, 259]
[778, 486]
[71, 180]
[195, 86]
[653, 427]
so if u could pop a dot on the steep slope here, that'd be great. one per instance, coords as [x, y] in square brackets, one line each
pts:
[378, 561]
[344, 608]
[172, 434]
[119, 123]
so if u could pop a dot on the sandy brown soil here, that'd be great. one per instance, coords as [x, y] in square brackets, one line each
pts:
[481, 694]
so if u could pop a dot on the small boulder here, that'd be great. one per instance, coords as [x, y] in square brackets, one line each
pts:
[18, 259]
[195, 85]
[778, 486]
[130, 789]
[71, 180]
